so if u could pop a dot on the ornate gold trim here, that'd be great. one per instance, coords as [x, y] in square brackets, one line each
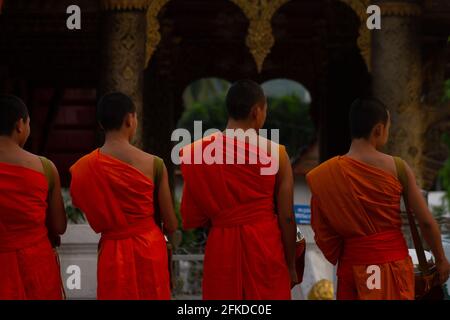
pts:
[260, 39]
[401, 9]
[364, 38]
[153, 34]
[124, 4]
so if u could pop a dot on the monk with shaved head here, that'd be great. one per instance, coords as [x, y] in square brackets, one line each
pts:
[115, 187]
[250, 250]
[31, 212]
[355, 212]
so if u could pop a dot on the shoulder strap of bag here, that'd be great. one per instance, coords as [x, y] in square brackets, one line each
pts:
[48, 172]
[55, 239]
[401, 173]
[158, 167]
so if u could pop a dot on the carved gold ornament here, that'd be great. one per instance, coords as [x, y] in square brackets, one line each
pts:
[260, 39]
[153, 34]
[124, 4]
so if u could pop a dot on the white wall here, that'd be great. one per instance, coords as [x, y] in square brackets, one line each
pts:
[79, 248]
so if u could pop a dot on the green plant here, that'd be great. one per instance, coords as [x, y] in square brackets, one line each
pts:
[291, 116]
[445, 172]
[74, 215]
[189, 237]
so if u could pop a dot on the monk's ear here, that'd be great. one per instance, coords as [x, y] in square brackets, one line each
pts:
[129, 120]
[257, 109]
[20, 126]
[378, 130]
[253, 112]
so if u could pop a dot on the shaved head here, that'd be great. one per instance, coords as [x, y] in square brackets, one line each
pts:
[12, 109]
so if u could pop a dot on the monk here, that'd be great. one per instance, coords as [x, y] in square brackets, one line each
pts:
[355, 213]
[29, 212]
[114, 187]
[250, 251]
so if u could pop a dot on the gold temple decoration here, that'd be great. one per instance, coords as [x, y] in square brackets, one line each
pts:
[124, 4]
[153, 34]
[364, 38]
[260, 39]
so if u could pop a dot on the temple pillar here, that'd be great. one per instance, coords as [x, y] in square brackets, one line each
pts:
[124, 50]
[396, 63]
[410, 82]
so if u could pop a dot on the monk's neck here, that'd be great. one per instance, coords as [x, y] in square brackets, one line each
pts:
[235, 124]
[116, 138]
[361, 146]
[8, 143]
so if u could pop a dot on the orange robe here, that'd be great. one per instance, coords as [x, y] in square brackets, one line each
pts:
[355, 215]
[244, 257]
[29, 268]
[118, 202]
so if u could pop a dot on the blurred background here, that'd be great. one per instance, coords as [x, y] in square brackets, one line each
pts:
[177, 58]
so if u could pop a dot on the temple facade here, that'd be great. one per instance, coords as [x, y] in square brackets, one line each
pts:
[153, 49]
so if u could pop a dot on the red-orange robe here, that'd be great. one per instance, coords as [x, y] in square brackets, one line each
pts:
[244, 257]
[117, 200]
[355, 214]
[29, 267]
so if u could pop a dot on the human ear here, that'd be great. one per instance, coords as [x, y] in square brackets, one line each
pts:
[378, 130]
[254, 112]
[129, 120]
[20, 126]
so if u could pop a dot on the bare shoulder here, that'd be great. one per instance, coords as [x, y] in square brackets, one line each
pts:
[144, 161]
[269, 146]
[386, 161]
[143, 156]
[32, 161]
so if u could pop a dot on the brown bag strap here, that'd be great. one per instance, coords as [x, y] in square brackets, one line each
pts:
[401, 173]
[48, 172]
[158, 167]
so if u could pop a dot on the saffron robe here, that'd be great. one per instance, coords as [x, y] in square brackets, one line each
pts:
[29, 268]
[355, 215]
[117, 200]
[244, 256]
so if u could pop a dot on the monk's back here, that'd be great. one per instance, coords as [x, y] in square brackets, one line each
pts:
[377, 190]
[136, 158]
[117, 199]
[23, 191]
[20, 157]
[222, 186]
[244, 257]
[28, 267]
